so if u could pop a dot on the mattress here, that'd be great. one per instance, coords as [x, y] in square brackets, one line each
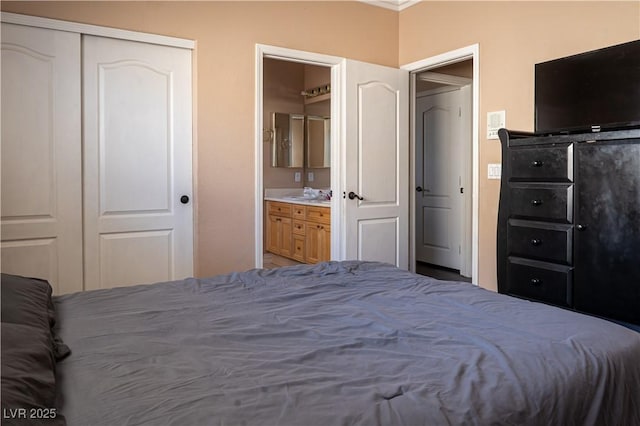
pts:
[339, 343]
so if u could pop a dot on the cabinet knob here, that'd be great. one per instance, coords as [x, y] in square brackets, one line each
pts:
[536, 242]
[536, 281]
[536, 202]
[581, 227]
[537, 163]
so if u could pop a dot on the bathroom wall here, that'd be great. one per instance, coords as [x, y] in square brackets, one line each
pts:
[283, 83]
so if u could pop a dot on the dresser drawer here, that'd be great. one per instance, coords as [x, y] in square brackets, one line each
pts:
[548, 164]
[298, 227]
[542, 241]
[541, 281]
[319, 214]
[298, 211]
[279, 209]
[551, 202]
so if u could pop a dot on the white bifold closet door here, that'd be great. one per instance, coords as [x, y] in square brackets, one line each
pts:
[41, 156]
[108, 203]
[138, 216]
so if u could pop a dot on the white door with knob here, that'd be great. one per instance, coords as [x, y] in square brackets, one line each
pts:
[439, 188]
[41, 156]
[376, 173]
[138, 215]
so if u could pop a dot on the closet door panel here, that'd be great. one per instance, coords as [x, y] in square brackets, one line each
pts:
[137, 162]
[41, 156]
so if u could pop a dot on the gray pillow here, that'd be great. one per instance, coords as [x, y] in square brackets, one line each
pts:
[29, 349]
[28, 301]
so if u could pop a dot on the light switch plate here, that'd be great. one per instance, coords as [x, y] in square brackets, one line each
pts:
[297, 176]
[494, 171]
[496, 120]
[310, 177]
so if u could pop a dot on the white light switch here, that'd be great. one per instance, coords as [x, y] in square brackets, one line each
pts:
[494, 171]
[310, 177]
[297, 176]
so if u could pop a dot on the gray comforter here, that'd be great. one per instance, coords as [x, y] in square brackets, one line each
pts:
[338, 344]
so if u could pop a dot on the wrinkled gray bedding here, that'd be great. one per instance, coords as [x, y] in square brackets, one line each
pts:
[337, 344]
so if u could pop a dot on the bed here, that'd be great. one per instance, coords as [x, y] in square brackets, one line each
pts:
[338, 343]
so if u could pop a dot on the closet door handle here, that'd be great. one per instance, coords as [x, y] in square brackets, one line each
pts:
[184, 199]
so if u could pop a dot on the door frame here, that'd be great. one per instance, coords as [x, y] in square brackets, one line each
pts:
[337, 66]
[468, 52]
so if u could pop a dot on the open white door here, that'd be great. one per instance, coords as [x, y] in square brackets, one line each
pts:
[376, 163]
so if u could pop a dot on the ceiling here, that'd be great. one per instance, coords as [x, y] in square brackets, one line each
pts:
[396, 5]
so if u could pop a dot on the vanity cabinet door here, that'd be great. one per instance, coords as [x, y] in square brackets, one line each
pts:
[318, 243]
[279, 235]
[298, 247]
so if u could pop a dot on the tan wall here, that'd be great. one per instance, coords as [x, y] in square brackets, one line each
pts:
[512, 36]
[226, 34]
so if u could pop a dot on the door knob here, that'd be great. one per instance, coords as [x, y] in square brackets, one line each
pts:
[353, 195]
[184, 199]
[419, 189]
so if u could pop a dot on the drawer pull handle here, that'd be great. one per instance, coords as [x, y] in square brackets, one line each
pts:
[537, 163]
[536, 202]
[536, 242]
[536, 281]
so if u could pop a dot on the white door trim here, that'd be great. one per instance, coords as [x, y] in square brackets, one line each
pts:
[75, 27]
[337, 65]
[468, 52]
[450, 80]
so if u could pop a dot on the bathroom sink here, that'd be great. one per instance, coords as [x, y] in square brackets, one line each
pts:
[303, 198]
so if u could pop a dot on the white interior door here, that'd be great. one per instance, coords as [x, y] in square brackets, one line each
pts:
[439, 162]
[41, 156]
[137, 163]
[376, 165]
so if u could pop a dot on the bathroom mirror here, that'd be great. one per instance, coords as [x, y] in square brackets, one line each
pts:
[318, 142]
[288, 140]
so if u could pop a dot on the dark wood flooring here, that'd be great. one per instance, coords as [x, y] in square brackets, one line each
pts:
[440, 272]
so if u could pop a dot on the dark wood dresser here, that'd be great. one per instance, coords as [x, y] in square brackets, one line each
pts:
[569, 221]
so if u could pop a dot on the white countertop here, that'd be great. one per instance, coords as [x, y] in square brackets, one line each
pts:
[292, 196]
[290, 200]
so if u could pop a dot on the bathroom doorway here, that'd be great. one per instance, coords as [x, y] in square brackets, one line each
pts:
[296, 162]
